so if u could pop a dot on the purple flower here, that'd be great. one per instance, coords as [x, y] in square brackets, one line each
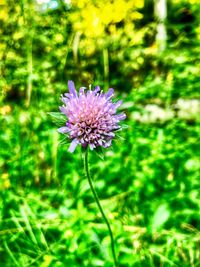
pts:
[91, 115]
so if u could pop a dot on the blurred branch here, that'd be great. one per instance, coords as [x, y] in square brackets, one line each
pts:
[28, 17]
[106, 65]
[76, 46]
[29, 68]
[161, 15]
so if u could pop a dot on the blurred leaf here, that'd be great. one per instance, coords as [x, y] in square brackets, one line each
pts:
[160, 217]
[58, 118]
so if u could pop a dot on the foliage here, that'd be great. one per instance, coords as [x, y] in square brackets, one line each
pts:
[148, 182]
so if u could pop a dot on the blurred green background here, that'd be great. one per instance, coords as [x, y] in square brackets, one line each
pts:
[148, 181]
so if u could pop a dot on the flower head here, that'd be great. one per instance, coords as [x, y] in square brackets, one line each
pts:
[92, 117]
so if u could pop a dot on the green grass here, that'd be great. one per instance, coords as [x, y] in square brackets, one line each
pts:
[148, 181]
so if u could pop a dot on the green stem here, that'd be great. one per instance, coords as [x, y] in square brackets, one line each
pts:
[99, 206]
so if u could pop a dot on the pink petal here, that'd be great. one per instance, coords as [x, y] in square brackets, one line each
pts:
[72, 88]
[63, 130]
[118, 104]
[73, 145]
[120, 116]
[110, 93]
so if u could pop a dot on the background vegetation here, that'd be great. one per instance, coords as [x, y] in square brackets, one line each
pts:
[148, 182]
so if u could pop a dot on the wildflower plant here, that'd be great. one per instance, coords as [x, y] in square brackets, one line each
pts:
[91, 120]
[91, 117]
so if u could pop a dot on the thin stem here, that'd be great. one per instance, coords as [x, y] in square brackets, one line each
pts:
[99, 206]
